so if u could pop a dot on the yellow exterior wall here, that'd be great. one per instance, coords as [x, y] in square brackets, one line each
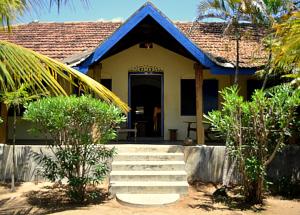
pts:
[242, 82]
[175, 67]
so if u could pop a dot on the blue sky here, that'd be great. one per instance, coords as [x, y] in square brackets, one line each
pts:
[177, 10]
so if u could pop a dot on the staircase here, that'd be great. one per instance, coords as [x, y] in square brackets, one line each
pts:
[148, 175]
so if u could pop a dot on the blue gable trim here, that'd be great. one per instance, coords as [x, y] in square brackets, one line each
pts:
[149, 10]
[218, 70]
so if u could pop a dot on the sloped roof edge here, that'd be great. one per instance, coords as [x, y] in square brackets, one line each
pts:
[148, 9]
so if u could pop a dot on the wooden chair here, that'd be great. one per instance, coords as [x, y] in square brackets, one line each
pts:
[207, 130]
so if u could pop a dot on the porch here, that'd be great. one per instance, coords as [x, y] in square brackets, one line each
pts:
[140, 141]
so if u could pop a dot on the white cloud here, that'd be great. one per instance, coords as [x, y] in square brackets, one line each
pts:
[116, 19]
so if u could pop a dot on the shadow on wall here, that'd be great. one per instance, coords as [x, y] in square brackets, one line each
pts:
[205, 163]
[26, 167]
[286, 164]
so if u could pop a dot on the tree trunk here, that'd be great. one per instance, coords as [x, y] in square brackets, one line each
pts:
[13, 189]
[229, 173]
[237, 63]
[254, 193]
[225, 167]
[267, 68]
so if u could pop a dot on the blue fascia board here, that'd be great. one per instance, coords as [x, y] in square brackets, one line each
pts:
[218, 70]
[82, 69]
[181, 38]
[149, 10]
[114, 38]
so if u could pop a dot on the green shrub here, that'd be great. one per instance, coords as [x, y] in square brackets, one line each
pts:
[255, 131]
[78, 126]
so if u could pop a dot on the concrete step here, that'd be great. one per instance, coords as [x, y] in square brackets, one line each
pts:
[147, 200]
[133, 148]
[147, 165]
[178, 156]
[149, 187]
[148, 176]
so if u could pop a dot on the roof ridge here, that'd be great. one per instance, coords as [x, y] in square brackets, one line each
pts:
[68, 22]
[112, 22]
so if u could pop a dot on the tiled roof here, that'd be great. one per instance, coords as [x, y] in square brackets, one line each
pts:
[62, 40]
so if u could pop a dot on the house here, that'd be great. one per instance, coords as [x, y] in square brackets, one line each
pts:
[168, 72]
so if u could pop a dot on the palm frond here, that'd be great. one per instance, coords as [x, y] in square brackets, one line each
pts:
[286, 50]
[20, 65]
[10, 10]
[213, 8]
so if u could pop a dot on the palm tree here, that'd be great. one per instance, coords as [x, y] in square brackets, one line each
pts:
[275, 10]
[21, 65]
[233, 12]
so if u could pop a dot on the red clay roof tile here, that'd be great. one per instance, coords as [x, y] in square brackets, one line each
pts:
[62, 40]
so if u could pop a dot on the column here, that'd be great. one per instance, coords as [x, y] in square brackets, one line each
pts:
[199, 103]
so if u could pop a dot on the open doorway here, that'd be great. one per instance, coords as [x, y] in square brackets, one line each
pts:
[146, 102]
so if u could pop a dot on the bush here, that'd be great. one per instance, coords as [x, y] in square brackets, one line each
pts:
[255, 131]
[78, 126]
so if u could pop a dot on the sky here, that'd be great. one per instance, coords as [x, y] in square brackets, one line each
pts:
[116, 10]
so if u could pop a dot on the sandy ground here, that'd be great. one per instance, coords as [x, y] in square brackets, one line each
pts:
[44, 199]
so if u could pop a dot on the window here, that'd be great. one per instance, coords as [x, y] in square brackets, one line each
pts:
[188, 96]
[210, 95]
[106, 83]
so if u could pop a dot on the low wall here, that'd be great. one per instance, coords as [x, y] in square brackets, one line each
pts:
[26, 165]
[203, 163]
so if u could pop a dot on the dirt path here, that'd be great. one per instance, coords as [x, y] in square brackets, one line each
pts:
[197, 202]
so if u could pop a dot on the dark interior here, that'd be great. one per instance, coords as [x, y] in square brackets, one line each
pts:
[148, 30]
[146, 104]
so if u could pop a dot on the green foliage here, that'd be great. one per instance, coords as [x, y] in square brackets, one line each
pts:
[20, 65]
[77, 125]
[256, 130]
[19, 97]
[286, 58]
